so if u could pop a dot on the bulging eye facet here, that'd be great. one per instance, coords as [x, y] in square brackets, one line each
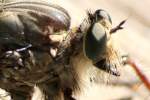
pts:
[102, 14]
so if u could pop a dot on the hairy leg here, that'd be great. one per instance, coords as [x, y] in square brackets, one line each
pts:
[21, 93]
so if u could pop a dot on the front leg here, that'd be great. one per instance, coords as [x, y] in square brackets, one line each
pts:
[21, 93]
[68, 94]
[136, 67]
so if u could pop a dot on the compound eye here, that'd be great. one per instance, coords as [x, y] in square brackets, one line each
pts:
[95, 42]
[102, 14]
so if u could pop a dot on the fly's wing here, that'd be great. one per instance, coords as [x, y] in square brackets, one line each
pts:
[53, 13]
[32, 21]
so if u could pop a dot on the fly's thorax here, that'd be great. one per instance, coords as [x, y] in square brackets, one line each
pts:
[10, 23]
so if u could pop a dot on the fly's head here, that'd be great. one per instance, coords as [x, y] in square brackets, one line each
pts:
[97, 44]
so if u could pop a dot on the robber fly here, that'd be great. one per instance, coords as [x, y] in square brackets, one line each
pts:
[31, 55]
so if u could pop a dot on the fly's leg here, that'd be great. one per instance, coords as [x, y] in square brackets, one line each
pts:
[136, 67]
[51, 88]
[68, 94]
[21, 93]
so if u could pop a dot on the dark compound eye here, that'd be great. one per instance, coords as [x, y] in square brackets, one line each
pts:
[102, 14]
[95, 42]
[95, 39]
